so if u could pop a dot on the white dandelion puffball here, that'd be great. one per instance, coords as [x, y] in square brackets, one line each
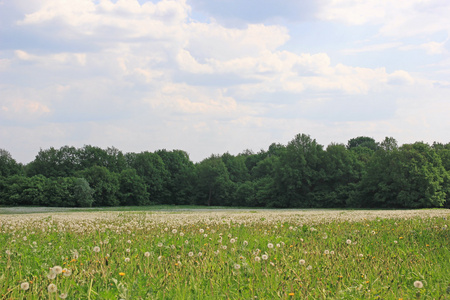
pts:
[96, 249]
[418, 284]
[52, 288]
[57, 269]
[257, 259]
[24, 286]
[270, 245]
[147, 254]
[232, 241]
[67, 272]
[174, 231]
[264, 256]
[326, 252]
[191, 254]
[302, 261]
[127, 259]
[348, 242]
[63, 296]
[309, 267]
[237, 266]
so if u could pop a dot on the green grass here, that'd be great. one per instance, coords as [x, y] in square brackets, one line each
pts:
[381, 260]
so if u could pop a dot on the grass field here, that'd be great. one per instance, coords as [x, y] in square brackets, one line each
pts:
[191, 253]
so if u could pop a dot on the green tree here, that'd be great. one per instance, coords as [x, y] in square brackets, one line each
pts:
[111, 158]
[213, 181]
[298, 172]
[362, 141]
[133, 190]
[83, 193]
[179, 184]
[341, 172]
[152, 169]
[411, 176]
[53, 162]
[8, 165]
[104, 183]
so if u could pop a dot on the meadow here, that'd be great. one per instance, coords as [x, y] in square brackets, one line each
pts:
[226, 254]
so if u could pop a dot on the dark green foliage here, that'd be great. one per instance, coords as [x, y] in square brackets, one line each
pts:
[363, 142]
[213, 182]
[181, 176]
[298, 171]
[8, 165]
[411, 176]
[133, 190]
[363, 173]
[82, 193]
[104, 183]
[153, 171]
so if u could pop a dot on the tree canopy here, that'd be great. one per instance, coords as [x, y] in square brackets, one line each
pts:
[302, 173]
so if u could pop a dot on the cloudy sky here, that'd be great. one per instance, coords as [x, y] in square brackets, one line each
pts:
[211, 76]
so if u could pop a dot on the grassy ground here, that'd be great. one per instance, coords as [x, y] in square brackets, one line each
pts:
[226, 254]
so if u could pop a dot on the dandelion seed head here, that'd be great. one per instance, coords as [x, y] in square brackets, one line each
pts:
[67, 272]
[52, 288]
[418, 284]
[302, 261]
[24, 286]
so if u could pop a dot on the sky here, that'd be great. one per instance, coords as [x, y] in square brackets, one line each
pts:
[216, 76]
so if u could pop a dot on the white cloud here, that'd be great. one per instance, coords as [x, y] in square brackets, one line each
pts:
[148, 76]
[372, 48]
[400, 77]
[396, 18]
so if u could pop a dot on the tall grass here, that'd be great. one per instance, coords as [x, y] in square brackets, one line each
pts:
[257, 255]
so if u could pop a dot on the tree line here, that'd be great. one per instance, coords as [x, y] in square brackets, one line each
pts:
[302, 174]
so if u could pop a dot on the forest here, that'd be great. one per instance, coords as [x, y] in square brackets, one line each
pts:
[302, 174]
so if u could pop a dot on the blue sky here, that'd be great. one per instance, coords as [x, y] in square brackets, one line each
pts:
[211, 76]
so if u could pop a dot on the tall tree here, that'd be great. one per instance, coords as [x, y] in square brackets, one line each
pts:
[363, 141]
[133, 190]
[298, 172]
[104, 183]
[213, 181]
[8, 165]
[179, 183]
[152, 169]
[411, 176]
